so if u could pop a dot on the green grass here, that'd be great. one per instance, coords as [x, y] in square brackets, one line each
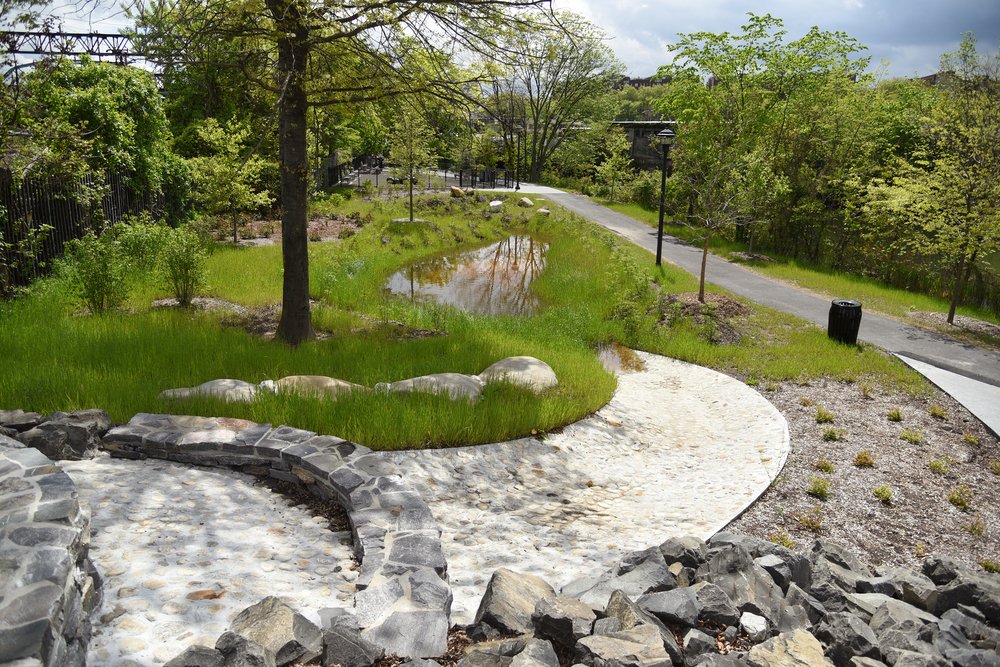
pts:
[874, 295]
[595, 288]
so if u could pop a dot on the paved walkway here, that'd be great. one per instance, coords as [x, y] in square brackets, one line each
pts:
[679, 450]
[979, 366]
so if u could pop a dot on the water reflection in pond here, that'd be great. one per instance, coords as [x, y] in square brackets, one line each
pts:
[619, 359]
[494, 280]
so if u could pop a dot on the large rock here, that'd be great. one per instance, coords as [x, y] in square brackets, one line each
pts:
[747, 584]
[8, 442]
[629, 615]
[494, 653]
[317, 385]
[495, 206]
[563, 620]
[231, 391]
[814, 608]
[525, 371]
[689, 551]
[845, 637]
[697, 643]
[453, 385]
[509, 602]
[238, 651]
[457, 192]
[835, 572]
[899, 616]
[638, 647]
[635, 574]
[197, 656]
[412, 633]
[280, 630]
[19, 420]
[794, 649]
[972, 589]
[714, 605]
[915, 586]
[678, 606]
[536, 653]
[344, 646]
[524, 202]
[70, 436]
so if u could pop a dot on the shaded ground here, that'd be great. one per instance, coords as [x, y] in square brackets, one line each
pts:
[953, 451]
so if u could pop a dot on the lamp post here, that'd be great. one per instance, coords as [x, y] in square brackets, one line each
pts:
[666, 137]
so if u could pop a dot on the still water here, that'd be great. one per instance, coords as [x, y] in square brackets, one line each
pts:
[494, 280]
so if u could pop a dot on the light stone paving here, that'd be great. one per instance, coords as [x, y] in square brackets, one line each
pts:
[679, 450]
[183, 549]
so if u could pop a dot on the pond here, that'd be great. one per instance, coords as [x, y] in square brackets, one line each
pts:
[494, 280]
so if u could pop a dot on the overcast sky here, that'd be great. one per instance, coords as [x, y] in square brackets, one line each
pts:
[910, 34]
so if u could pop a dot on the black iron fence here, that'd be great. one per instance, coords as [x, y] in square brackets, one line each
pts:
[38, 216]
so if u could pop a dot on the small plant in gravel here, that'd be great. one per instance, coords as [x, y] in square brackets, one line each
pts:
[864, 459]
[919, 550]
[866, 390]
[823, 464]
[970, 439]
[883, 493]
[895, 415]
[995, 466]
[753, 381]
[937, 411]
[819, 488]
[805, 401]
[782, 538]
[823, 416]
[834, 434]
[811, 520]
[911, 435]
[961, 497]
[976, 527]
[771, 386]
[990, 565]
[939, 466]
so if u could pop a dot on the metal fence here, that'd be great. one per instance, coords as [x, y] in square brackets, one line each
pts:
[40, 216]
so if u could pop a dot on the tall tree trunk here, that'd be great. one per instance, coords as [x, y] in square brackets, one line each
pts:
[704, 264]
[964, 269]
[295, 325]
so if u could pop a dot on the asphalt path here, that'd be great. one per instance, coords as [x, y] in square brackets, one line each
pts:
[966, 360]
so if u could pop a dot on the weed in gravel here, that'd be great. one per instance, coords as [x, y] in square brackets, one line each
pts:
[883, 493]
[976, 527]
[939, 466]
[961, 497]
[834, 435]
[895, 415]
[823, 416]
[937, 411]
[970, 439]
[990, 565]
[806, 401]
[753, 381]
[911, 435]
[823, 464]
[995, 466]
[811, 520]
[866, 390]
[864, 459]
[819, 488]
[771, 386]
[781, 538]
[919, 550]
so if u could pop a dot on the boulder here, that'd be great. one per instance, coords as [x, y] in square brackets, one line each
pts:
[629, 615]
[903, 658]
[282, 631]
[509, 602]
[231, 391]
[457, 192]
[563, 620]
[453, 385]
[777, 568]
[238, 651]
[197, 656]
[714, 605]
[973, 628]
[343, 645]
[408, 633]
[19, 420]
[793, 649]
[524, 202]
[940, 569]
[717, 660]
[316, 385]
[536, 653]
[884, 585]
[969, 588]
[814, 608]
[754, 626]
[846, 636]
[689, 551]
[747, 584]
[638, 647]
[8, 442]
[899, 616]
[973, 658]
[698, 643]
[544, 212]
[495, 206]
[915, 586]
[636, 574]
[678, 606]
[495, 653]
[525, 371]
[72, 436]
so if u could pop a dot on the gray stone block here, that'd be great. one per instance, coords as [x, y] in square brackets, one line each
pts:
[197, 656]
[678, 606]
[344, 646]
[418, 549]
[281, 630]
[411, 634]
[563, 620]
[509, 601]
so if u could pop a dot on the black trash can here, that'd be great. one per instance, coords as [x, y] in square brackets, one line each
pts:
[845, 320]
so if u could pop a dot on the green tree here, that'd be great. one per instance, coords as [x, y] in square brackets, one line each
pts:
[322, 54]
[946, 200]
[410, 148]
[616, 168]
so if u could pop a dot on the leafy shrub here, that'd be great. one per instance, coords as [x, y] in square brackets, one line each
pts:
[183, 265]
[883, 493]
[646, 189]
[819, 488]
[823, 416]
[895, 415]
[98, 269]
[864, 459]
[141, 240]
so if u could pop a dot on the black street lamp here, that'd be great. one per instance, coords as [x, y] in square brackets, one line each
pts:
[666, 137]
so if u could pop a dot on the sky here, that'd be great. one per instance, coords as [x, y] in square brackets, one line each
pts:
[910, 35]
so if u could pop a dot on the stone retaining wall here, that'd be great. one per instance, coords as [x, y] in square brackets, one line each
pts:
[404, 599]
[48, 587]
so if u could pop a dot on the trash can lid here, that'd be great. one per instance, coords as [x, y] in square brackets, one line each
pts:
[846, 303]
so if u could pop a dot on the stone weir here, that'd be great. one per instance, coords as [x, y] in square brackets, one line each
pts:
[404, 599]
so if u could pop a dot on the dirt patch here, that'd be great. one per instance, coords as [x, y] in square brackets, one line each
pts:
[320, 227]
[946, 455]
[205, 303]
[713, 317]
[962, 323]
[751, 257]
[262, 321]
[716, 305]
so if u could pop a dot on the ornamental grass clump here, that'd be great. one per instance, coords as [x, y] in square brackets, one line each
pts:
[883, 493]
[823, 416]
[937, 411]
[864, 459]
[939, 466]
[823, 464]
[961, 497]
[895, 415]
[834, 435]
[819, 488]
[912, 436]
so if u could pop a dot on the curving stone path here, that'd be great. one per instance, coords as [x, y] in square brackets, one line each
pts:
[679, 450]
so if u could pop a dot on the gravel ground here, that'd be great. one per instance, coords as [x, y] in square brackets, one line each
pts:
[920, 519]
